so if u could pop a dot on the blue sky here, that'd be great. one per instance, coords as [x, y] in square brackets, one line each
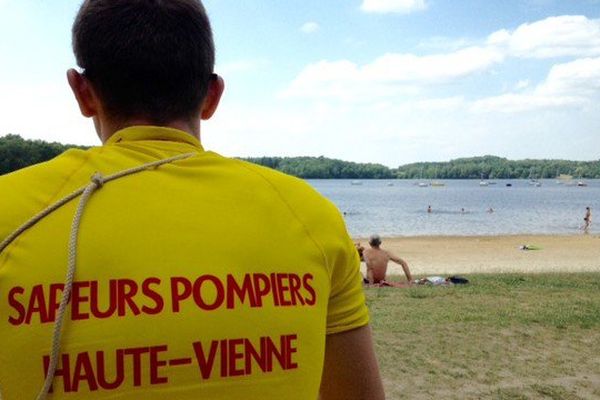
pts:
[387, 81]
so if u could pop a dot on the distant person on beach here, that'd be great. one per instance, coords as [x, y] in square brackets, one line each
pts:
[377, 261]
[429, 209]
[189, 275]
[587, 219]
[462, 210]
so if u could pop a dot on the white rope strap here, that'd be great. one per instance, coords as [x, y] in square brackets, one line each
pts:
[97, 181]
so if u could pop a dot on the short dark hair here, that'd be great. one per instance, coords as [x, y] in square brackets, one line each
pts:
[146, 58]
[375, 240]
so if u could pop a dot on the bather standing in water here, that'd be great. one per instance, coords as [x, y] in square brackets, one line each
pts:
[587, 220]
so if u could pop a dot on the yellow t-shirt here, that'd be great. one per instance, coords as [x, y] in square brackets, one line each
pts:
[206, 278]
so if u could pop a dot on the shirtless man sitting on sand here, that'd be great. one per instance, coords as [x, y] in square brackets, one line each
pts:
[377, 261]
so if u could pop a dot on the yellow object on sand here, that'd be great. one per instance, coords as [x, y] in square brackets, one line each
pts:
[203, 278]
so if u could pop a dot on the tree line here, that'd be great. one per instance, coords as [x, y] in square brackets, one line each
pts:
[492, 167]
[324, 168]
[16, 153]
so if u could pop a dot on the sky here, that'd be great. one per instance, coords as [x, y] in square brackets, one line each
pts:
[384, 81]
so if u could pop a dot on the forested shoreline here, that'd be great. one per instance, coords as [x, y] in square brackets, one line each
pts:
[492, 167]
[17, 153]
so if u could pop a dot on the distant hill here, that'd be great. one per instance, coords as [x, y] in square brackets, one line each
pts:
[324, 168]
[16, 153]
[492, 167]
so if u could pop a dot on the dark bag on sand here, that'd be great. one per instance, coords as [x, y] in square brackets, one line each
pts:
[458, 280]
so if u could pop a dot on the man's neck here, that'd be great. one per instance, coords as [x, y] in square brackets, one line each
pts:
[106, 129]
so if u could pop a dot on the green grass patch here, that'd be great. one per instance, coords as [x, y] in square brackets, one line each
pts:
[509, 336]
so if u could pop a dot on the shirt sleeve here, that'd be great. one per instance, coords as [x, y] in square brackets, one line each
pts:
[28, 191]
[347, 309]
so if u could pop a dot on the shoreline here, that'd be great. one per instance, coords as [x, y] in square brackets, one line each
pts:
[445, 255]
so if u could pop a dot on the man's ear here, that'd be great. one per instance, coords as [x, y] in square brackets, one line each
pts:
[216, 86]
[84, 93]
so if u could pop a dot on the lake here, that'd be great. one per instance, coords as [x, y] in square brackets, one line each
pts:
[399, 207]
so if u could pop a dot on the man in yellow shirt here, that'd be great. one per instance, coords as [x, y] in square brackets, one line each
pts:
[169, 291]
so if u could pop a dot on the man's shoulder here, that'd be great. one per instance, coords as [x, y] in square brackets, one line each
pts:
[319, 215]
[270, 175]
[376, 252]
[44, 172]
[29, 190]
[370, 254]
[290, 189]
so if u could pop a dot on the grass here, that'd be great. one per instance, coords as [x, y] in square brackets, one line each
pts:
[504, 336]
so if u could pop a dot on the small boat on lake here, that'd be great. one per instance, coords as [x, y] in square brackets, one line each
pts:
[564, 179]
[532, 180]
[483, 182]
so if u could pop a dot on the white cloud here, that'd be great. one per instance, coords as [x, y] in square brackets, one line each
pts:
[310, 27]
[393, 6]
[342, 81]
[566, 35]
[440, 104]
[431, 68]
[513, 103]
[580, 78]
[396, 74]
[576, 83]
[441, 43]
[500, 37]
[392, 112]
[388, 75]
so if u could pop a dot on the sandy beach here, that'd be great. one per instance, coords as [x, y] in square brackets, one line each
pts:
[442, 255]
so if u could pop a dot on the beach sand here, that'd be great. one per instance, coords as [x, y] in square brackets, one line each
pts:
[444, 255]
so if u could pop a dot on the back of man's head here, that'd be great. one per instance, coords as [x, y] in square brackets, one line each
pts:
[375, 240]
[150, 59]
